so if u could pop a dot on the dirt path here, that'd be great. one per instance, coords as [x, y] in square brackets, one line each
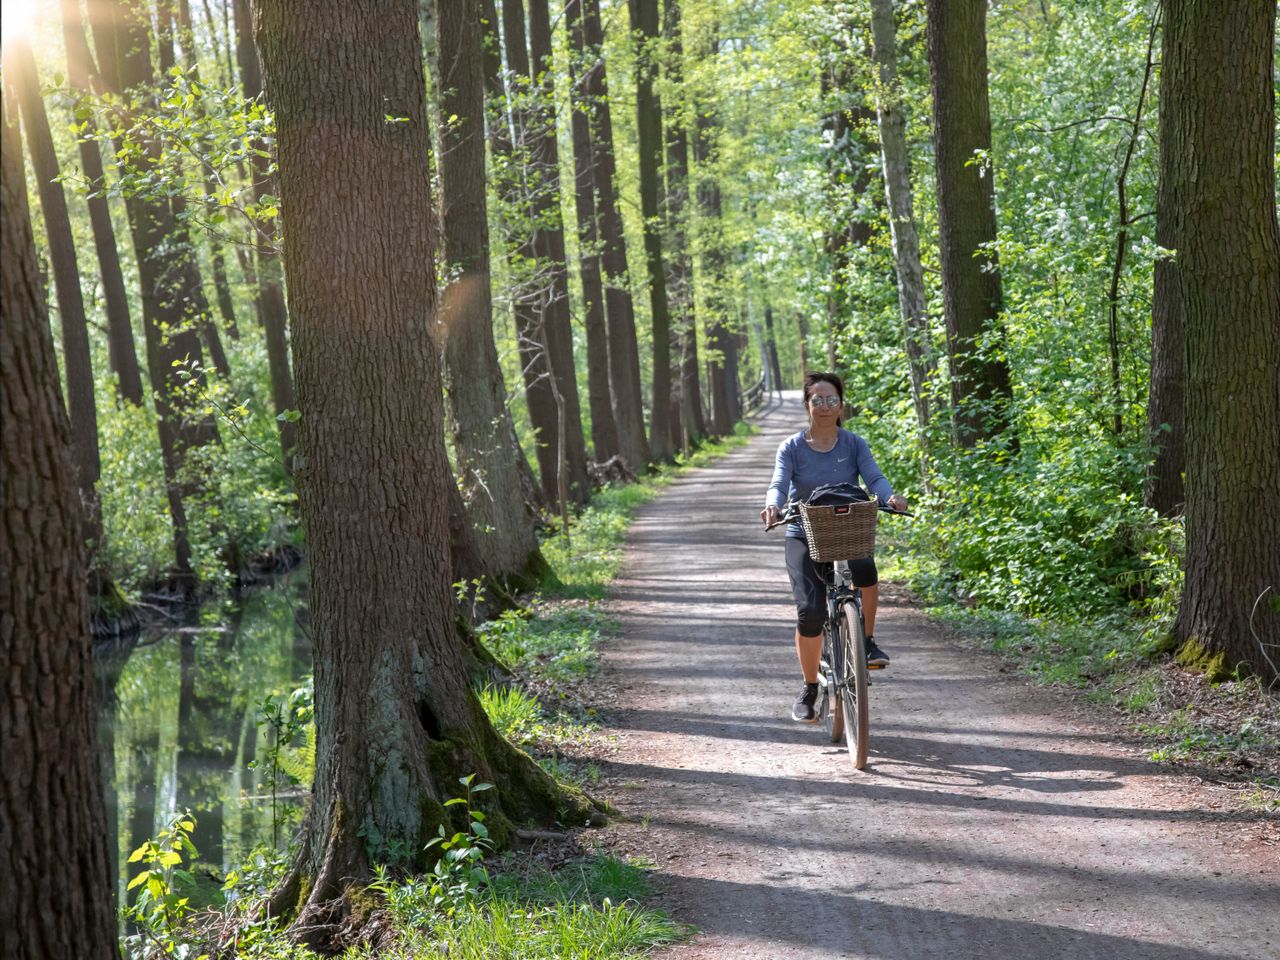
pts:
[994, 821]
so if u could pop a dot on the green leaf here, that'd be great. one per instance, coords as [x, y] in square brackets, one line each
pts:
[139, 879]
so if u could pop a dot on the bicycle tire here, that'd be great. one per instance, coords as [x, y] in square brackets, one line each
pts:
[856, 708]
[833, 706]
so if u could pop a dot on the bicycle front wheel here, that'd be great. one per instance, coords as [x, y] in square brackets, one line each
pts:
[856, 701]
[833, 706]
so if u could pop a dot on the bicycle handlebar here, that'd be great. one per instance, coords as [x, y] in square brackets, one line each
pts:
[791, 513]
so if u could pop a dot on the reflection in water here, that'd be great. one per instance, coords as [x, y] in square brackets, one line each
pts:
[178, 723]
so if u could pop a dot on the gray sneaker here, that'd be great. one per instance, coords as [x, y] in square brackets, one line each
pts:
[803, 709]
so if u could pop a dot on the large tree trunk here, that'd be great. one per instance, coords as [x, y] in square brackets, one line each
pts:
[1222, 119]
[604, 432]
[644, 23]
[20, 71]
[56, 888]
[1166, 424]
[693, 426]
[625, 387]
[549, 242]
[902, 224]
[121, 352]
[173, 304]
[271, 308]
[486, 462]
[396, 720]
[980, 389]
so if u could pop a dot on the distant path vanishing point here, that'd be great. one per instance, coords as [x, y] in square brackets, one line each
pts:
[995, 819]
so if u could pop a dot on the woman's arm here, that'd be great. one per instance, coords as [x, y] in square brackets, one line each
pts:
[870, 471]
[783, 469]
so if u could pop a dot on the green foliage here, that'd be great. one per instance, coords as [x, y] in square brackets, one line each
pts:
[287, 762]
[160, 906]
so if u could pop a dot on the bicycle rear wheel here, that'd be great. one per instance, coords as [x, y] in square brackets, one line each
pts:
[856, 706]
[833, 706]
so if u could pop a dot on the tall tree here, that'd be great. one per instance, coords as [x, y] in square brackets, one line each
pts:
[173, 302]
[396, 719]
[271, 307]
[121, 352]
[644, 27]
[473, 383]
[1166, 400]
[972, 299]
[770, 346]
[896, 165]
[541, 306]
[604, 431]
[722, 346]
[625, 387]
[20, 71]
[544, 155]
[51, 796]
[1222, 119]
[692, 426]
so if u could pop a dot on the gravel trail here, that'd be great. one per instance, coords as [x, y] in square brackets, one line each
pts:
[994, 820]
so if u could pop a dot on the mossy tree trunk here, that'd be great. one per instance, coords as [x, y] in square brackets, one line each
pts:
[1228, 270]
[56, 886]
[396, 719]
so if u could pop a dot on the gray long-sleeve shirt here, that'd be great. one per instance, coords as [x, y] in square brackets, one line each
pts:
[799, 470]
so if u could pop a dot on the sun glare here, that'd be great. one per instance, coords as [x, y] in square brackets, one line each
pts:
[18, 17]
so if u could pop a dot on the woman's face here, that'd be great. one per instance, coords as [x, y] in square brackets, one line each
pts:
[821, 410]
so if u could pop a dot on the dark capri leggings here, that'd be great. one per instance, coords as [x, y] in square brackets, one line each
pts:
[809, 587]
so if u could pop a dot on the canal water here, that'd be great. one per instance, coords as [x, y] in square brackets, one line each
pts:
[180, 727]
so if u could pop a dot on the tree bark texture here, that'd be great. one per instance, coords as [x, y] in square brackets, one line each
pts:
[396, 718]
[507, 548]
[980, 388]
[644, 25]
[122, 353]
[604, 432]
[20, 71]
[692, 426]
[625, 388]
[56, 886]
[771, 348]
[173, 304]
[544, 154]
[1222, 119]
[271, 306]
[895, 161]
[1166, 399]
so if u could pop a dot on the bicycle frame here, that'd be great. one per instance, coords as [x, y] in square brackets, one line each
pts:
[840, 590]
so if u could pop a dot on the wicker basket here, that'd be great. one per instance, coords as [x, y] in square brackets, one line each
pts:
[846, 531]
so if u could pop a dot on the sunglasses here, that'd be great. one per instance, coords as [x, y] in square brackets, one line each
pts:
[829, 402]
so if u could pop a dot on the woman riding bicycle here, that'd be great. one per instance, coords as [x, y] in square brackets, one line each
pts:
[823, 454]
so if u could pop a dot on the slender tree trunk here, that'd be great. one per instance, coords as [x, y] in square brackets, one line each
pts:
[51, 799]
[980, 388]
[507, 550]
[1222, 119]
[396, 720]
[693, 427]
[625, 387]
[802, 328]
[896, 164]
[721, 385]
[604, 431]
[173, 305]
[271, 307]
[549, 242]
[1166, 420]
[20, 71]
[771, 346]
[120, 347]
[644, 24]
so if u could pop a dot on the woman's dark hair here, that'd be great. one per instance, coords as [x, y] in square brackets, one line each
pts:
[811, 380]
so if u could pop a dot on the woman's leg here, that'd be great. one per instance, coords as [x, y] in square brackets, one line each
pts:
[870, 596]
[809, 650]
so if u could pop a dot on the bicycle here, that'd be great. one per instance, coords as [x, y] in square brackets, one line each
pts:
[844, 704]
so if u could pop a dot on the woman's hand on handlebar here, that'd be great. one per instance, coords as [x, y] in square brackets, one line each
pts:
[898, 503]
[769, 515]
